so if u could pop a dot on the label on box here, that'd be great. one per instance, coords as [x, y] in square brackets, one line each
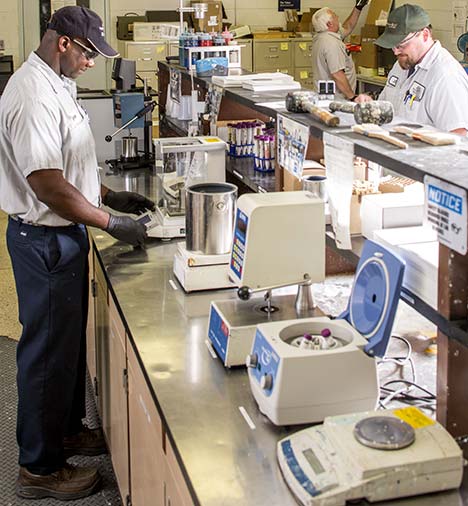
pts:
[292, 143]
[445, 211]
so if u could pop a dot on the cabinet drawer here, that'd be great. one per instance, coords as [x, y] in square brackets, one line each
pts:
[305, 77]
[302, 53]
[268, 55]
[246, 54]
[146, 54]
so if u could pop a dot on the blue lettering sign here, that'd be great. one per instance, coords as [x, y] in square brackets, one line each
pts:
[445, 199]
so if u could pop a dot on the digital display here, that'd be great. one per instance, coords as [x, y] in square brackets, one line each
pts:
[313, 460]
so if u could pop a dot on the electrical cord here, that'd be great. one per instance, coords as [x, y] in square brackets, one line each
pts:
[403, 394]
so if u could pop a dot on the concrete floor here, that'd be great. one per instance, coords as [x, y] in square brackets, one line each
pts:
[9, 324]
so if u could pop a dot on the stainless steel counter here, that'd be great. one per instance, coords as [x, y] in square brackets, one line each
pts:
[227, 462]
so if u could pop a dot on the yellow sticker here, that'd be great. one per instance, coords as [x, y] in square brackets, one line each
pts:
[304, 74]
[212, 139]
[303, 46]
[414, 417]
[284, 46]
[160, 49]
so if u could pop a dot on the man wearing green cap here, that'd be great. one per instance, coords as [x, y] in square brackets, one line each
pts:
[426, 85]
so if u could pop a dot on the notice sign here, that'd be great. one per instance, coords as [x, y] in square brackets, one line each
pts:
[289, 4]
[445, 210]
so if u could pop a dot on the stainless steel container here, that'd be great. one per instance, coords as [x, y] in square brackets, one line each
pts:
[316, 185]
[210, 217]
[129, 147]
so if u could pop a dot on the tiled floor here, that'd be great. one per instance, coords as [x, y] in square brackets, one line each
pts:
[9, 325]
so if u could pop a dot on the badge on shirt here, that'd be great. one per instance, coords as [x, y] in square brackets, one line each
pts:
[417, 90]
[392, 81]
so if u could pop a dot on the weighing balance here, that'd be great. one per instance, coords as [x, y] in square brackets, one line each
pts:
[338, 374]
[181, 161]
[279, 241]
[374, 455]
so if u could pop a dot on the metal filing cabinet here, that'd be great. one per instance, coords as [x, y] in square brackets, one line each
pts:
[146, 54]
[246, 53]
[305, 77]
[302, 62]
[271, 55]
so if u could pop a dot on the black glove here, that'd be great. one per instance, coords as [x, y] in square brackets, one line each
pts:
[127, 202]
[360, 4]
[127, 229]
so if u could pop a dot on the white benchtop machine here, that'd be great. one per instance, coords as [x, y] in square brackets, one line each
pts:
[180, 162]
[337, 372]
[279, 241]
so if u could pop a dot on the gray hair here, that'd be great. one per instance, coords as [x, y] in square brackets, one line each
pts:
[321, 18]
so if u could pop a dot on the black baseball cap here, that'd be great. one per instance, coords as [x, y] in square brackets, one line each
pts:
[74, 21]
[401, 22]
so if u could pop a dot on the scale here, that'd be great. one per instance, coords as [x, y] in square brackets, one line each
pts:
[338, 373]
[374, 455]
[197, 271]
[180, 162]
[279, 241]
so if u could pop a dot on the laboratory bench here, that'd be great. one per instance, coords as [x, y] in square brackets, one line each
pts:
[172, 414]
[170, 410]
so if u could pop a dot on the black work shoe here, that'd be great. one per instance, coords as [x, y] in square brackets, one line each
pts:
[88, 442]
[66, 484]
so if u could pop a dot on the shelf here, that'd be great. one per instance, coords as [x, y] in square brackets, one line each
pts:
[242, 169]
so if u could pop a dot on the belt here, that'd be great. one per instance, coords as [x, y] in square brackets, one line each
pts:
[15, 217]
[20, 220]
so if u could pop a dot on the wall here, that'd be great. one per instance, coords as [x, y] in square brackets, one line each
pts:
[259, 15]
[10, 29]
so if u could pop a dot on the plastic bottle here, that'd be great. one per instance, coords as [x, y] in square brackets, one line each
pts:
[227, 36]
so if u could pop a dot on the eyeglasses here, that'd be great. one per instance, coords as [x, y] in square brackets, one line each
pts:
[405, 42]
[89, 54]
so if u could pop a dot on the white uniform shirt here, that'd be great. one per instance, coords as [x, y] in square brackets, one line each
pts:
[329, 55]
[435, 94]
[42, 126]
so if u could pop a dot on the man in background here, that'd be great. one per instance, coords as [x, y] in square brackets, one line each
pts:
[330, 58]
[50, 187]
[426, 85]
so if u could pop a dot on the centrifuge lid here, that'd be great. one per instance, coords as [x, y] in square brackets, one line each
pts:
[374, 296]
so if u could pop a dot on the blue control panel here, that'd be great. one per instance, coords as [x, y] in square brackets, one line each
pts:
[268, 361]
[218, 333]
[238, 245]
[297, 470]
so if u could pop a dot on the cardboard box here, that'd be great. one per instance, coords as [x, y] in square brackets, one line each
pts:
[272, 34]
[378, 9]
[240, 31]
[368, 56]
[292, 183]
[213, 20]
[370, 33]
[419, 248]
[390, 210]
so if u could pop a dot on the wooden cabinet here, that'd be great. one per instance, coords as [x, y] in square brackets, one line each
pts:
[91, 324]
[116, 428]
[147, 460]
[101, 315]
[176, 492]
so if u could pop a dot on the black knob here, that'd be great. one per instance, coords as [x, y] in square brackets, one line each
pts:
[243, 293]
[108, 138]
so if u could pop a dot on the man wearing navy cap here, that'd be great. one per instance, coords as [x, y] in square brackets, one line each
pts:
[426, 84]
[50, 187]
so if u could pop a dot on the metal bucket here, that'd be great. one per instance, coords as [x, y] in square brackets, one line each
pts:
[129, 147]
[316, 185]
[210, 217]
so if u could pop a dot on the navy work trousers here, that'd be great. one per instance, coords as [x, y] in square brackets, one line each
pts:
[50, 266]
